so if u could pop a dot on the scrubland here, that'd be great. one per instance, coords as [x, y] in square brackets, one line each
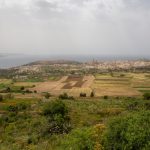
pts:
[38, 115]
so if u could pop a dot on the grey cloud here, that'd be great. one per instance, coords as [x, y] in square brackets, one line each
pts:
[44, 4]
[75, 26]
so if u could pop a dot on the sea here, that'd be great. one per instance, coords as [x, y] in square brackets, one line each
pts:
[14, 60]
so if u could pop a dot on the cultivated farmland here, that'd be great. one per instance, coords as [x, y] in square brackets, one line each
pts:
[118, 84]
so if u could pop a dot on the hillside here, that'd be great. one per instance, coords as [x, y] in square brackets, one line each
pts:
[53, 62]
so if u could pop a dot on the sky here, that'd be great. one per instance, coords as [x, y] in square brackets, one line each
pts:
[75, 27]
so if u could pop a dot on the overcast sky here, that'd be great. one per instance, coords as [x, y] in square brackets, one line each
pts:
[102, 27]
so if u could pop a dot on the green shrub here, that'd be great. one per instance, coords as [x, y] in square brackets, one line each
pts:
[79, 139]
[22, 88]
[55, 107]
[33, 139]
[65, 96]
[8, 89]
[22, 106]
[147, 106]
[71, 98]
[146, 96]
[18, 107]
[12, 108]
[57, 115]
[105, 97]
[1, 98]
[47, 95]
[130, 132]
[28, 91]
[133, 105]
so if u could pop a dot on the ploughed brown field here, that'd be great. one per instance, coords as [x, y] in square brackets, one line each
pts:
[74, 81]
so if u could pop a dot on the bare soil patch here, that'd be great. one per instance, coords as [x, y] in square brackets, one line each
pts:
[80, 82]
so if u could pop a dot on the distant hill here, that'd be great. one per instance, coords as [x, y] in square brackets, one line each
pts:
[52, 62]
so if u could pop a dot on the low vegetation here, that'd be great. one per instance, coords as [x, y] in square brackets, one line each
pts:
[55, 111]
[65, 96]
[129, 132]
[146, 96]
[75, 124]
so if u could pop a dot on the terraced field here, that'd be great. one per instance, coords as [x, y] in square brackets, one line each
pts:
[127, 84]
[116, 84]
[73, 85]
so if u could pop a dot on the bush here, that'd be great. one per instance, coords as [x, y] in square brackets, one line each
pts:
[71, 98]
[22, 88]
[65, 96]
[1, 98]
[82, 94]
[18, 107]
[105, 97]
[8, 89]
[129, 132]
[79, 139]
[57, 115]
[9, 96]
[22, 106]
[12, 108]
[35, 91]
[146, 96]
[133, 105]
[47, 95]
[55, 107]
[28, 91]
[147, 106]
[92, 94]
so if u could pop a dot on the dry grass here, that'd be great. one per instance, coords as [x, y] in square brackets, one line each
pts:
[27, 84]
[5, 81]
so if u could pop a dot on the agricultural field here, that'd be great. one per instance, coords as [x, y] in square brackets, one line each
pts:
[73, 85]
[121, 84]
[110, 84]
